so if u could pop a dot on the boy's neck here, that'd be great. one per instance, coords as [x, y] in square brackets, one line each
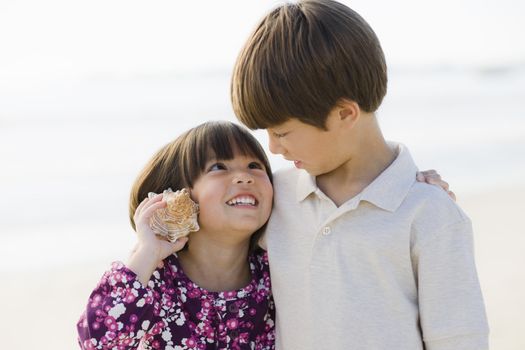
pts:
[371, 155]
[215, 266]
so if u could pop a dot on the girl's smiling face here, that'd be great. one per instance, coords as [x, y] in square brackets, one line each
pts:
[234, 196]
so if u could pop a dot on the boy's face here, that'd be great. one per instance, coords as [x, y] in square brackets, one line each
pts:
[315, 150]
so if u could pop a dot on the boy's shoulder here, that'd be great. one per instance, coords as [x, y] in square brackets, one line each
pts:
[426, 206]
[398, 191]
[433, 197]
[432, 208]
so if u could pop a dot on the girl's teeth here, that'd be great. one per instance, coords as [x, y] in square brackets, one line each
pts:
[242, 200]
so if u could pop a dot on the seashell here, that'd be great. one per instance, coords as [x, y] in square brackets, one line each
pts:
[178, 218]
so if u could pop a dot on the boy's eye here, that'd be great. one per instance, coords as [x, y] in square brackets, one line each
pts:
[255, 165]
[279, 135]
[217, 166]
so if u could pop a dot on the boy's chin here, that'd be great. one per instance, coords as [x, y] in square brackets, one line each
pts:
[313, 172]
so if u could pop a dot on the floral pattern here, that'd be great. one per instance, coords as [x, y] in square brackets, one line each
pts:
[173, 313]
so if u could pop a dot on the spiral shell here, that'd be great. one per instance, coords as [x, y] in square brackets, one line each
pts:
[178, 218]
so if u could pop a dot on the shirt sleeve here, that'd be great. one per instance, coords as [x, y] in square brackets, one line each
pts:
[452, 313]
[121, 311]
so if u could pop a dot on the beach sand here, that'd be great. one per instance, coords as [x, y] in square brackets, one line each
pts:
[40, 306]
[499, 242]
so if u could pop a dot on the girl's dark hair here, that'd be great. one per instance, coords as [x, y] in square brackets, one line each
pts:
[179, 164]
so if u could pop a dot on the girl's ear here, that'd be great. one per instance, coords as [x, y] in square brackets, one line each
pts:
[190, 190]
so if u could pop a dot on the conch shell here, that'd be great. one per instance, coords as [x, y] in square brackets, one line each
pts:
[178, 218]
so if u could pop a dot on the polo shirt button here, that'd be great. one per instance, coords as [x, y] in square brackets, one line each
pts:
[326, 230]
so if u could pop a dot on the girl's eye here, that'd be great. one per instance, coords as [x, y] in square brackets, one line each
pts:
[255, 165]
[217, 166]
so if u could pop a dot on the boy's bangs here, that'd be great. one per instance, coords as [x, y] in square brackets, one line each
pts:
[260, 105]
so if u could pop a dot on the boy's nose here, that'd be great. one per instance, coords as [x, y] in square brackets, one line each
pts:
[274, 146]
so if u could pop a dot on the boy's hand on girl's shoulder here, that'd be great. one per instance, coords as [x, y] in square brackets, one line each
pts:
[433, 178]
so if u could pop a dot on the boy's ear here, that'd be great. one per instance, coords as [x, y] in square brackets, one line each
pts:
[349, 111]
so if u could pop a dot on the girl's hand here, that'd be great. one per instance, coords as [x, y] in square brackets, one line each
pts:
[432, 177]
[149, 240]
[150, 249]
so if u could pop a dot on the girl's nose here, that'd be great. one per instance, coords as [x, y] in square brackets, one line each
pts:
[243, 178]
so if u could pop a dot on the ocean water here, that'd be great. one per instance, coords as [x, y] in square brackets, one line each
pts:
[71, 148]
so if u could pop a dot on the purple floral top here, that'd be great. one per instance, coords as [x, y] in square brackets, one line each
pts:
[174, 313]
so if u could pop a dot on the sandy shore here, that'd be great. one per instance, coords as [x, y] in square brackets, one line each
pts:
[500, 240]
[40, 307]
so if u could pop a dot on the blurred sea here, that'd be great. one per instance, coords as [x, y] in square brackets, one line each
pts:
[71, 148]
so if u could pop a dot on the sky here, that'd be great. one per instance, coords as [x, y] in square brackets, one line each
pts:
[57, 39]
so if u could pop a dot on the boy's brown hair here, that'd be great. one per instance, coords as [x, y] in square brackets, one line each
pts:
[179, 164]
[301, 60]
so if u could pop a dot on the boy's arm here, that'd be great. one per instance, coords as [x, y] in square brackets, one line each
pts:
[452, 313]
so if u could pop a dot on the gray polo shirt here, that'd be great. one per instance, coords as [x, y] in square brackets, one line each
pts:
[392, 268]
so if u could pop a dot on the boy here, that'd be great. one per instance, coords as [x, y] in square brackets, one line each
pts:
[361, 255]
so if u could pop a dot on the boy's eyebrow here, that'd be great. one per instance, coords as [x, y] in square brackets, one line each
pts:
[275, 128]
[284, 124]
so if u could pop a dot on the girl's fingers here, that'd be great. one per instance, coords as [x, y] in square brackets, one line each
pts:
[148, 210]
[179, 244]
[139, 208]
[146, 203]
[444, 185]
[433, 178]
[167, 248]
[427, 176]
[150, 201]
[142, 204]
[452, 195]
[438, 182]
[430, 176]
[429, 172]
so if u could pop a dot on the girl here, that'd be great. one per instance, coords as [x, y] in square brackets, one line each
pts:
[215, 292]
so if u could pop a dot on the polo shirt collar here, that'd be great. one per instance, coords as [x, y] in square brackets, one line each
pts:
[391, 187]
[306, 185]
[387, 191]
